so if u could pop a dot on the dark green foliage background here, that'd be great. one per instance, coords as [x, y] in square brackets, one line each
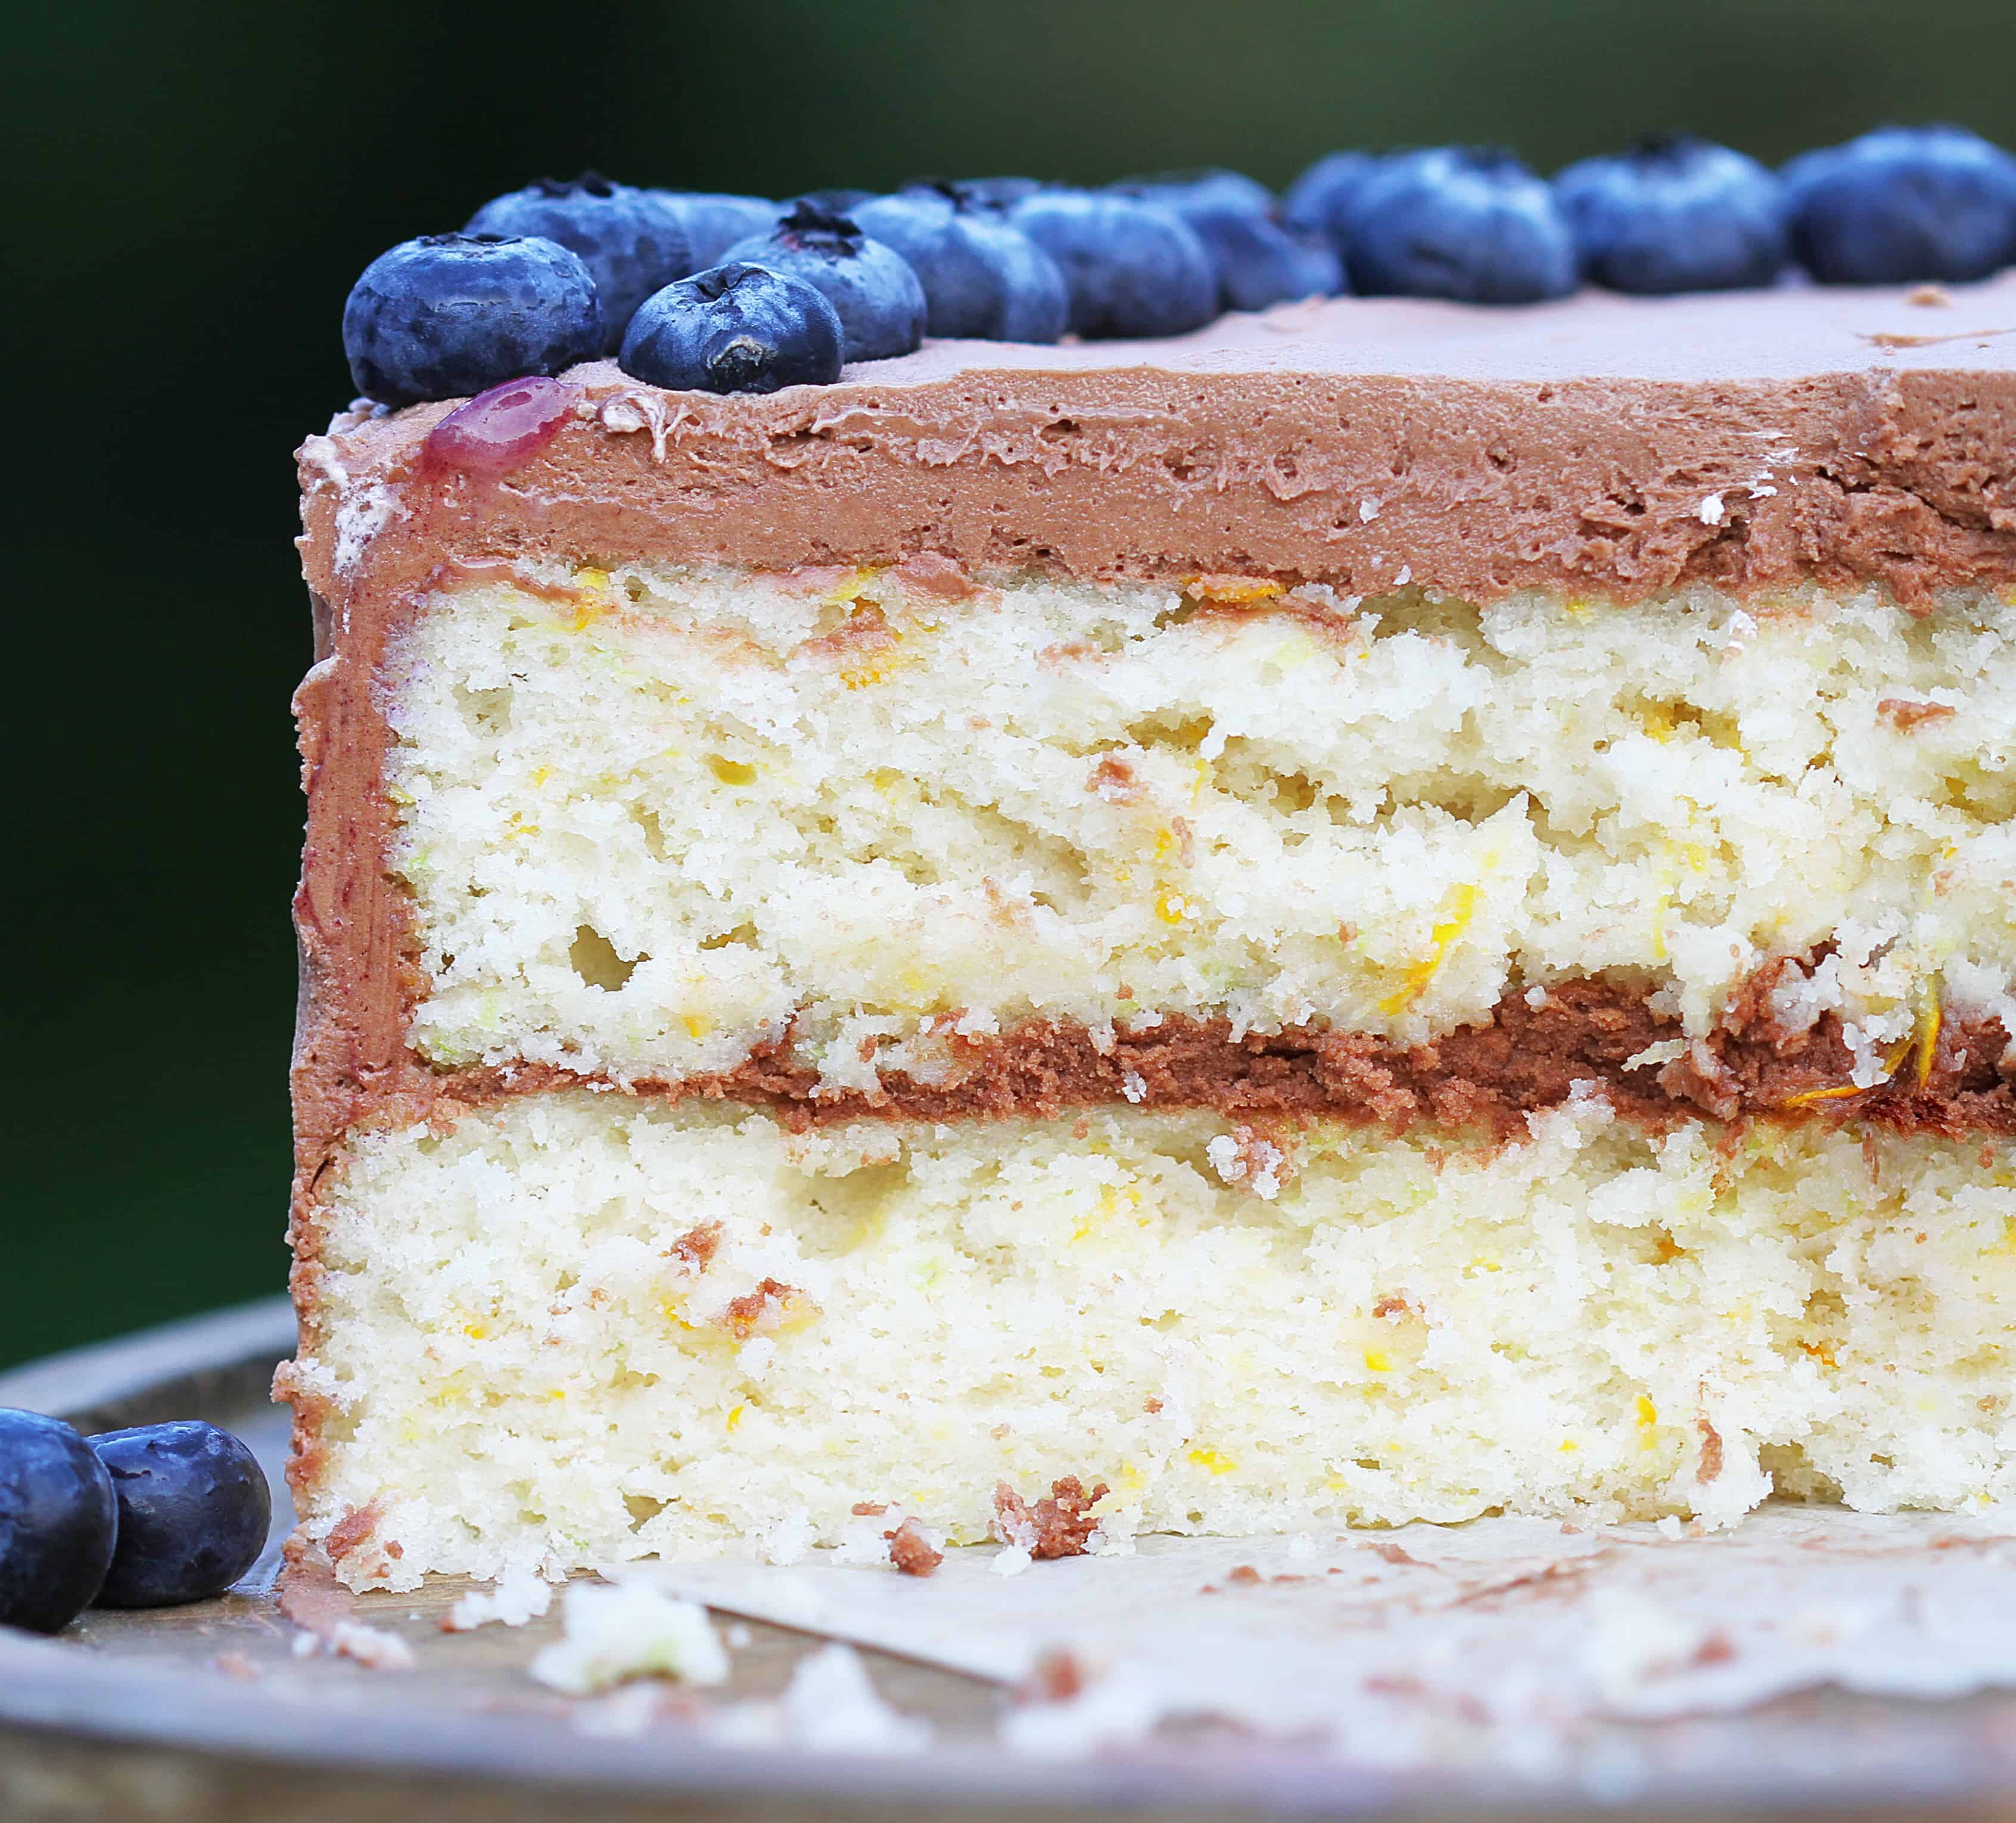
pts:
[192, 189]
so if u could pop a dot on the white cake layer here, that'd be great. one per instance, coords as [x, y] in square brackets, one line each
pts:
[581, 1326]
[646, 830]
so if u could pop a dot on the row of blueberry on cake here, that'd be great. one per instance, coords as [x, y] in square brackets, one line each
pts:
[727, 293]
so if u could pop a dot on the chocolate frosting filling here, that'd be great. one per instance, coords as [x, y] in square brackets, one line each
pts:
[1484, 1078]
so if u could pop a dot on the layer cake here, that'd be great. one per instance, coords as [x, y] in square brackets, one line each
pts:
[1388, 910]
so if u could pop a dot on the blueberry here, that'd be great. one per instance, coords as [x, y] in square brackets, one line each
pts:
[1674, 215]
[1131, 268]
[1318, 201]
[631, 241]
[451, 314]
[194, 1509]
[982, 278]
[734, 328]
[714, 222]
[837, 201]
[996, 193]
[1469, 223]
[59, 1521]
[1903, 204]
[880, 302]
[1260, 260]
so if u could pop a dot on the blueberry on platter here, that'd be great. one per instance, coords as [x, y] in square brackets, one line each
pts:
[1468, 223]
[1904, 204]
[1676, 214]
[736, 328]
[631, 241]
[59, 1522]
[982, 278]
[1260, 259]
[449, 315]
[880, 301]
[1131, 268]
[194, 1511]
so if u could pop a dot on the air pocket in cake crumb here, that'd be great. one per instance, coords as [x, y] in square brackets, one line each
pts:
[595, 958]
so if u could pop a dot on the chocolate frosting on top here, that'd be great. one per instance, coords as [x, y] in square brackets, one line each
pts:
[1612, 446]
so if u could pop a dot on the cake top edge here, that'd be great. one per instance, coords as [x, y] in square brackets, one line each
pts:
[1794, 332]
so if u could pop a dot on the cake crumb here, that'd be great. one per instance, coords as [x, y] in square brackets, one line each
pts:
[238, 1667]
[830, 1703]
[370, 1646]
[1932, 297]
[1057, 1676]
[619, 1631]
[1061, 1525]
[518, 1596]
[911, 1551]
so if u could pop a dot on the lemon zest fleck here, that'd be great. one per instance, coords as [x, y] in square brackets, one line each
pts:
[856, 583]
[1213, 1459]
[1458, 909]
[1925, 1038]
[1230, 591]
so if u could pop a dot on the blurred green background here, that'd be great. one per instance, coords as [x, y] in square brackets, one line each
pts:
[193, 187]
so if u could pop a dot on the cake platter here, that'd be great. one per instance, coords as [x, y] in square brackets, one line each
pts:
[207, 1711]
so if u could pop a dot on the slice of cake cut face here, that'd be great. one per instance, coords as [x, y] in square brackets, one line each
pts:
[1388, 911]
